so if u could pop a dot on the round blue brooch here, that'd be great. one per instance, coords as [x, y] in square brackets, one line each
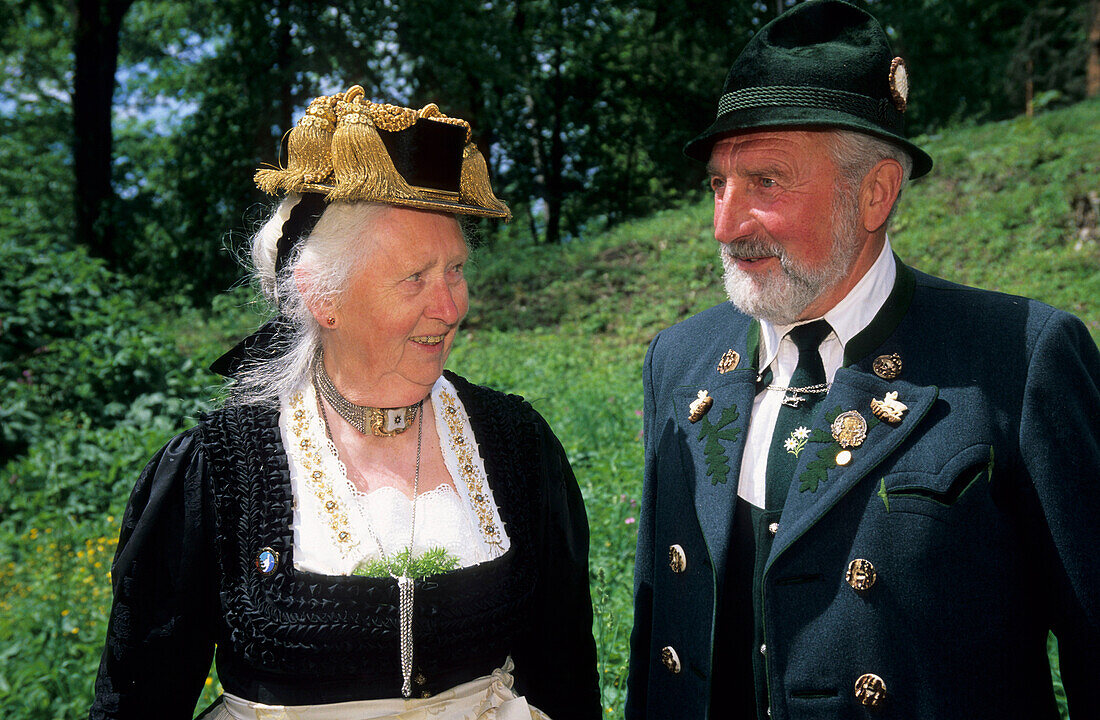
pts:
[267, 561]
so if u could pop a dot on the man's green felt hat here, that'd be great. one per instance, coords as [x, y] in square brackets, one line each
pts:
[823, 63]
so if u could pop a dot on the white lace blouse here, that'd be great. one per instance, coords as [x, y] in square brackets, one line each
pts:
[333, 520]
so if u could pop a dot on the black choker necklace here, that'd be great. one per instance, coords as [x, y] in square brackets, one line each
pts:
[383, 422]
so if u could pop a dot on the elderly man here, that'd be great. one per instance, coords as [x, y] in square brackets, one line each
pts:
[868, 492]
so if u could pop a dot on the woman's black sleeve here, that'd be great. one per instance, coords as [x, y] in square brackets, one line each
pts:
[160, 638]
[557, 663]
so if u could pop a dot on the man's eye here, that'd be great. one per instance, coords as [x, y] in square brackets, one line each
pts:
[768, 182]
[717, 183]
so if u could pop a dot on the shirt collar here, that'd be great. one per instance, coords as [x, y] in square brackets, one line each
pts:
[849, 316]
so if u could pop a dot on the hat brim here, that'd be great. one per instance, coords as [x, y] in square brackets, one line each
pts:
[426, 202]
[787, 118]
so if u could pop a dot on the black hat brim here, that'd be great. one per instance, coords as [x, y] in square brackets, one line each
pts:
[791, 118]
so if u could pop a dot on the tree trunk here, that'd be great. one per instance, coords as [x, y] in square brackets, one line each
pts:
[1092, 73]
[95, 47]
[555, 162]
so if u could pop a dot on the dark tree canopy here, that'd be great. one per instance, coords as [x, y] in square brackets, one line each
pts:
[153, 115]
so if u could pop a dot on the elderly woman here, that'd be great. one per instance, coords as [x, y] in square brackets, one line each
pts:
[358, 533]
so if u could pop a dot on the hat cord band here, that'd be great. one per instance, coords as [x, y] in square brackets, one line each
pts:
[779, 95]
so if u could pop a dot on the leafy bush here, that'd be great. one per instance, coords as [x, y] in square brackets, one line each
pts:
[79, 344]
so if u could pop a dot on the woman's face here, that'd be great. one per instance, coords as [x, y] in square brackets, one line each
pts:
[397, 320]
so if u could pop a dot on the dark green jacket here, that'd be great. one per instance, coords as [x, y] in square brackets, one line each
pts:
[980, 512]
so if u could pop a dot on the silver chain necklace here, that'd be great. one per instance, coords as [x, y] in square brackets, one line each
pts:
[405, 584]
[791, 398]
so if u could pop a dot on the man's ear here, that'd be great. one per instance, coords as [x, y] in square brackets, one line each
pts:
[878, 193]
[323, 311]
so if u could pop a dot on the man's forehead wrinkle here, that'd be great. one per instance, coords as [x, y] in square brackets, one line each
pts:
[784, 148]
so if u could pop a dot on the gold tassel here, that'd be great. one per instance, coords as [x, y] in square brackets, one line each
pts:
[475, 187]
[309, 150]
[363, 168]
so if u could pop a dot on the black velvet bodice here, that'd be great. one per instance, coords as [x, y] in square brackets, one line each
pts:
[186, 579]
[280, 626]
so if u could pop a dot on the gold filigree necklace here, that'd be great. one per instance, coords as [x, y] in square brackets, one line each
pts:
[383, 422]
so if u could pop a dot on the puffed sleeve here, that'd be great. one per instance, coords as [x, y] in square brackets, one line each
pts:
[1060, 441]
[160, 638]
[558, 658]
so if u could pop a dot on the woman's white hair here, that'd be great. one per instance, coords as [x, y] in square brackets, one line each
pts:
[318, 271]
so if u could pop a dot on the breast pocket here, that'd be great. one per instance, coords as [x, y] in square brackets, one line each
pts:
[935, 492]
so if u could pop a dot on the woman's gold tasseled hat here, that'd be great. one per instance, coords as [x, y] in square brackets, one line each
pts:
[347, 149]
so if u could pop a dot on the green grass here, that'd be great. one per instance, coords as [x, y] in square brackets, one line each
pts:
[566, 327]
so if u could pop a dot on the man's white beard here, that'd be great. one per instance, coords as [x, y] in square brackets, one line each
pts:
[782, 298]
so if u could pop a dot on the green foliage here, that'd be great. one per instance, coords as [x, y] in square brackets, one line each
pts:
[433, 561]
[78, 346]
[718, 464]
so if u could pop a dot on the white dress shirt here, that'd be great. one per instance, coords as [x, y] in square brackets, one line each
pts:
[778, 352]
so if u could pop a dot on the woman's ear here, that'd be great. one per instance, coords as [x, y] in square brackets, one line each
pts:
[323, 311]
[879, 193]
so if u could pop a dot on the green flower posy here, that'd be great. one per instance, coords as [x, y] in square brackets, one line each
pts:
[433, 561]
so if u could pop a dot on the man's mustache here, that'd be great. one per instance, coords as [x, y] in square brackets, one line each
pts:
[753, 248]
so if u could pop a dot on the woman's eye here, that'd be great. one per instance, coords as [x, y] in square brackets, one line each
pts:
[415, 277]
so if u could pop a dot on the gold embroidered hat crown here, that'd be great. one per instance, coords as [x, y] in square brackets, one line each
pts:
[347, 148]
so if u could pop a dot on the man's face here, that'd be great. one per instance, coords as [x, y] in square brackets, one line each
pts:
[788, 224]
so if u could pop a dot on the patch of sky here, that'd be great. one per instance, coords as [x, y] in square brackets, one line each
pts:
[142, 95]
[17, 96]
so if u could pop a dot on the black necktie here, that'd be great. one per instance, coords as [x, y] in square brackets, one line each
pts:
[792, 426]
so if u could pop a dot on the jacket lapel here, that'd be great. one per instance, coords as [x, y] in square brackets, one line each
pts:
[819, 482]
[714, 444]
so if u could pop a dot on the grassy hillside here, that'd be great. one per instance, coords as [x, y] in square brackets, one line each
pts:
[1004, 208]
[1010, 206]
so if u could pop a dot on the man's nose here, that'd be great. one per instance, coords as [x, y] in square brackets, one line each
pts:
[732, 219]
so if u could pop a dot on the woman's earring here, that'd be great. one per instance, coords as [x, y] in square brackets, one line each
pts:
[331, 320]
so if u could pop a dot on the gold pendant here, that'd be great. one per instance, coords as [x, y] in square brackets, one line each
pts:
[849, 429]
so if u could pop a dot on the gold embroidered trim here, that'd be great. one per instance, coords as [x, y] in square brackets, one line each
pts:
[311, 459]
[470, 477]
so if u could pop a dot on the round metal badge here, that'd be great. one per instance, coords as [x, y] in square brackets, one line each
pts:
[849, 429]
[887, 367]
[267, 561]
